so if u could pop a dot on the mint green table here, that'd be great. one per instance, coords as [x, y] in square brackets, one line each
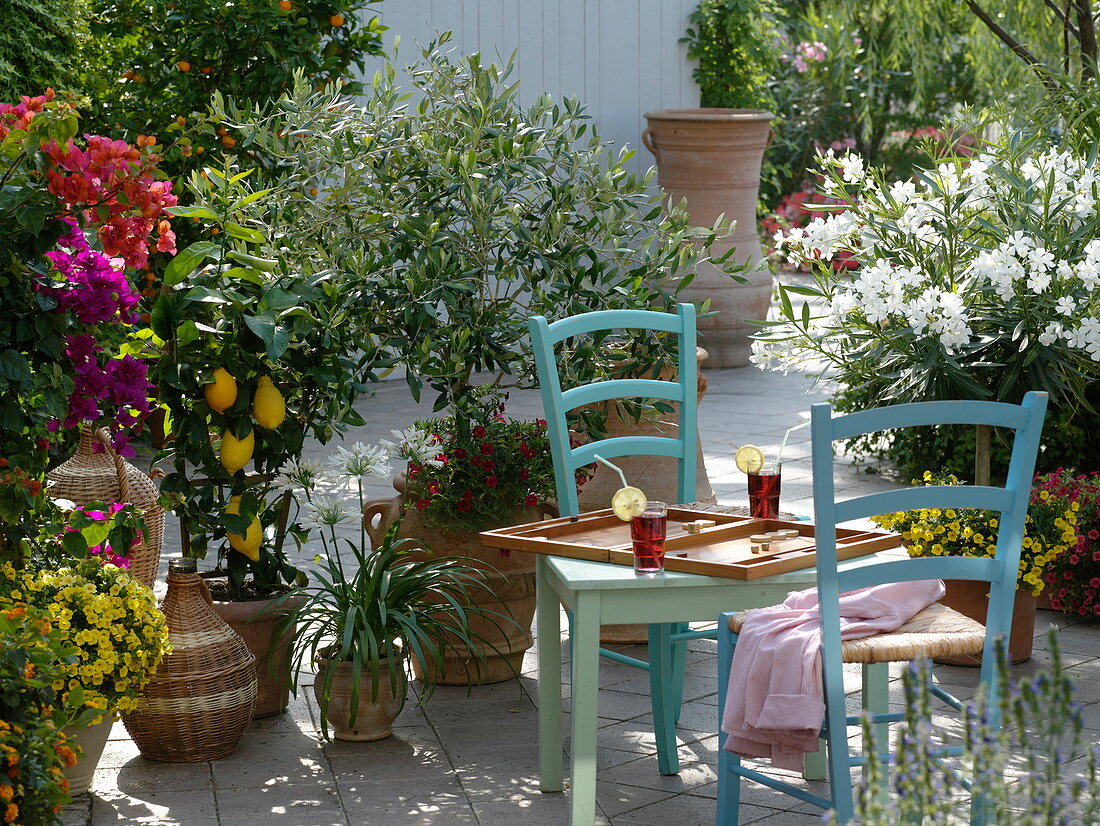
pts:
[602, 594]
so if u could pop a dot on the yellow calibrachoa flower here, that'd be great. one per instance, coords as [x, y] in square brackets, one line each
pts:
[1050, 529]
[109, 617]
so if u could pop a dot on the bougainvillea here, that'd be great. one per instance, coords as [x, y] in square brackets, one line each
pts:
[83, 213]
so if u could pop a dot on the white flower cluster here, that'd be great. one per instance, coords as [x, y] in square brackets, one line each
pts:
[1001, 239]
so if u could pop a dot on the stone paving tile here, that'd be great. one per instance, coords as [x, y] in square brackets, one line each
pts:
[472, 757]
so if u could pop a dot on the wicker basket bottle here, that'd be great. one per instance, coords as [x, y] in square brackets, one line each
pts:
[106, 477]
[201, 699]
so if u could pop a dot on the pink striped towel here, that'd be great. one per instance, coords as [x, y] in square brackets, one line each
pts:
[775, 704]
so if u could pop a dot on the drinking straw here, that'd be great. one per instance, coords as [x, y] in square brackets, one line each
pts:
[615, 468]
[783, 444]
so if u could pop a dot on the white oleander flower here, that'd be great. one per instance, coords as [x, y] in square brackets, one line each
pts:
[1065, 305]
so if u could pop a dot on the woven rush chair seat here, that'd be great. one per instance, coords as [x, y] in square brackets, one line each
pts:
[937, 631]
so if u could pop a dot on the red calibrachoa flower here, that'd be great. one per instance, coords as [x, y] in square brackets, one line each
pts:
[496, 466]
[1073, 578]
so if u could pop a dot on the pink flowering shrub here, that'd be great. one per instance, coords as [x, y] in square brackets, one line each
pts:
[101, 202]
[1073, 578]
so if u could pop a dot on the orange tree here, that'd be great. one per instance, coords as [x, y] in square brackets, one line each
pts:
[157, 64]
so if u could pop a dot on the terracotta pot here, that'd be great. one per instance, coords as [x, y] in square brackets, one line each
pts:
[255, 622]
[512, 579]
[92, 740]
[374, 716]
[971, 598]
[712, 158]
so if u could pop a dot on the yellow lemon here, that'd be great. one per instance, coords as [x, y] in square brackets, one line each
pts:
[222, 392]
[749, 459]
[628, 502]
[267, 405]
[236, 453]
[249, 544]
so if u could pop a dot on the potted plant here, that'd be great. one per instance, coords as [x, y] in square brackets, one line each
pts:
[364, 618]
[80, 219]
[1073, 577]
[467, 219]
[1050, 530]
[976, 280]
[257, 355]
[110, 622]
[462, 477]
[33, 788]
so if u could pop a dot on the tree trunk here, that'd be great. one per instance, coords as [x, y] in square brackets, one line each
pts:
[983, 434]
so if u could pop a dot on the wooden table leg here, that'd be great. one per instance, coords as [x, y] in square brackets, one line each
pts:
[549, 688]
[584, 707]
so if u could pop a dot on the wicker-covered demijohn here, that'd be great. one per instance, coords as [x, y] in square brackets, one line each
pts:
[201, 699]
[104, 476]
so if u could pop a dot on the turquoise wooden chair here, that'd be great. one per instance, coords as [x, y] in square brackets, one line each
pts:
[667, 641]
[929, 630]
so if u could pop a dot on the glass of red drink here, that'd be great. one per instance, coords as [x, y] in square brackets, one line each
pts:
[764, 493]
[648, 532]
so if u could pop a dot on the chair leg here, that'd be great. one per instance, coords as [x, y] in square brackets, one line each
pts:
[876, 700]
[729, 784]
[662, 692]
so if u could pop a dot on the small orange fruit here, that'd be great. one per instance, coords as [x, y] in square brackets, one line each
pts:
[206, 70]
[222, 130]
[184, 66]
[199, 150]
[181, 120]
[228, 142]
[336, 21]
[214, 230]
[285, 5]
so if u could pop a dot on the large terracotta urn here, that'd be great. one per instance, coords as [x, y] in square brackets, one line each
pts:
[712, 158]
[501, 642]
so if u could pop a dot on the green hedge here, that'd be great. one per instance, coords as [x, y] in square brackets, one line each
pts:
[40, 43]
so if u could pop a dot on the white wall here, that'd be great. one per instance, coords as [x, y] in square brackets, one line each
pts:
[621, 58]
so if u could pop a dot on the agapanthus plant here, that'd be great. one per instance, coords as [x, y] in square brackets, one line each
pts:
[978, 279]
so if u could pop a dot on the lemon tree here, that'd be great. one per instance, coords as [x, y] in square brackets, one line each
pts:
[256, 356]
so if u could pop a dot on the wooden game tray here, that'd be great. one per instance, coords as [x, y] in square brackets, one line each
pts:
[722, 550]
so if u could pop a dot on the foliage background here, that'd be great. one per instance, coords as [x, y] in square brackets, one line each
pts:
[40, 45]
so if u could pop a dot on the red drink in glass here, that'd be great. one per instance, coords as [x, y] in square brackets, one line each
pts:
[764, 494]
[648, 533]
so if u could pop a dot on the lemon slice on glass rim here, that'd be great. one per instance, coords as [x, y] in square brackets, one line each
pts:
[749, 459]
[628, 502]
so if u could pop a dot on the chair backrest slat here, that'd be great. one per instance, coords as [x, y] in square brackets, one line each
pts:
[557, 403]
[931, 496]
[995, 414]
[603, 391]
[908, 570]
